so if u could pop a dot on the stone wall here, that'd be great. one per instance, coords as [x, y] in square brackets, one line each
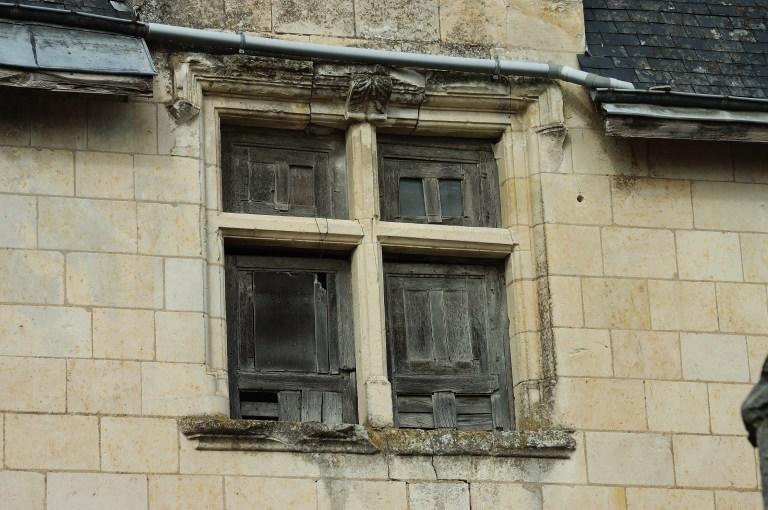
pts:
[656, 262]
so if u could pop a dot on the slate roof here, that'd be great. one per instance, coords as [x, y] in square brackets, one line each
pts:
[715, 47]
[113, 9]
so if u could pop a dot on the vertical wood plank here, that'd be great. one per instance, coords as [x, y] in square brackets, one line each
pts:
[499, 352]
[260, 179]
[302, 186]
[321, 325]
[289, 405]
[240, 178]
[397, 342]
[245, 319]
[432, 199]
[332, 408]
[282, 190]
[444, 405]
[417, 326]
[499, 412]
[349, 399]
[322, 186]
[458, 337]
[342, 286]
[334, 333]
[233, 334]
[235, 175]
[437, 320]
[490, 175]
[477, 322]
[311, 405]
[389, 198]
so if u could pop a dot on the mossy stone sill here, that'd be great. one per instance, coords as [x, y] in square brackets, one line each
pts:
[222, 433]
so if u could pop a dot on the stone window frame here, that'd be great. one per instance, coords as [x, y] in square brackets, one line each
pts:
[524, 117]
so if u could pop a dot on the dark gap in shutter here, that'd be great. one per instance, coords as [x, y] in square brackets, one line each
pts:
[259, 405]
[285, 321]
[412, 198]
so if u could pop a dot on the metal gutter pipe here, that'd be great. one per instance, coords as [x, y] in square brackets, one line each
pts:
[233, 42]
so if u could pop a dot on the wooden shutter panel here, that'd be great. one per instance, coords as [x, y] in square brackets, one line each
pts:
[447, 346]
[287, 321]
[458, 181]
[283, 172]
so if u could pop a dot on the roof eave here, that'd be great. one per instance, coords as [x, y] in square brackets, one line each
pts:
[682, 99]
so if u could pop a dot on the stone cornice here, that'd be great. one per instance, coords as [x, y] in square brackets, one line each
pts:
[334, 95]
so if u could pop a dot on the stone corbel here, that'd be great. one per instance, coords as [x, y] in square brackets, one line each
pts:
[551, 146]
[187, 100]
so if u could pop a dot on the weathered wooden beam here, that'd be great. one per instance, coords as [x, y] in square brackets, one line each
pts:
[84, 83]
[646, 127]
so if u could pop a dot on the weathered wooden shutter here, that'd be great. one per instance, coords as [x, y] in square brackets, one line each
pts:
[290, 341]
[446, 333]
[434, 181]
[283, 172]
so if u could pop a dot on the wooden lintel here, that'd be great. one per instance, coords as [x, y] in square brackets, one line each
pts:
[85, 83]
[646, 127]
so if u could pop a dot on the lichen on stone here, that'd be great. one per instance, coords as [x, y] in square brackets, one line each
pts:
[223, 433]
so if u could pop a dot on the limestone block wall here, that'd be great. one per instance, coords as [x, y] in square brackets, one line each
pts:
[656, 260]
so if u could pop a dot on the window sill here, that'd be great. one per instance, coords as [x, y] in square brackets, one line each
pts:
[222, 433]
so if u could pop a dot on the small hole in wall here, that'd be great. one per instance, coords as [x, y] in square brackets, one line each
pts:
[579, 198]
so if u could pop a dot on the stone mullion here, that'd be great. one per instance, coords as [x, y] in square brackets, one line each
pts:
[374, 389]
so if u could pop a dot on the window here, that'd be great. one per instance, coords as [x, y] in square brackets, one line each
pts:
[446, 337]
[291, 354]
[290, 342]
[433, 329]
[283, 172]
[437, 181]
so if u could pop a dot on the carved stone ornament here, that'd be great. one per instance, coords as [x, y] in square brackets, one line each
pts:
[368, 95]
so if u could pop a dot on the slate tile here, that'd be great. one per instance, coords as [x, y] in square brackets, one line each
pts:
[705, 46]
[663, 64]
[596, 62]
[621, 39]
[657, 40]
